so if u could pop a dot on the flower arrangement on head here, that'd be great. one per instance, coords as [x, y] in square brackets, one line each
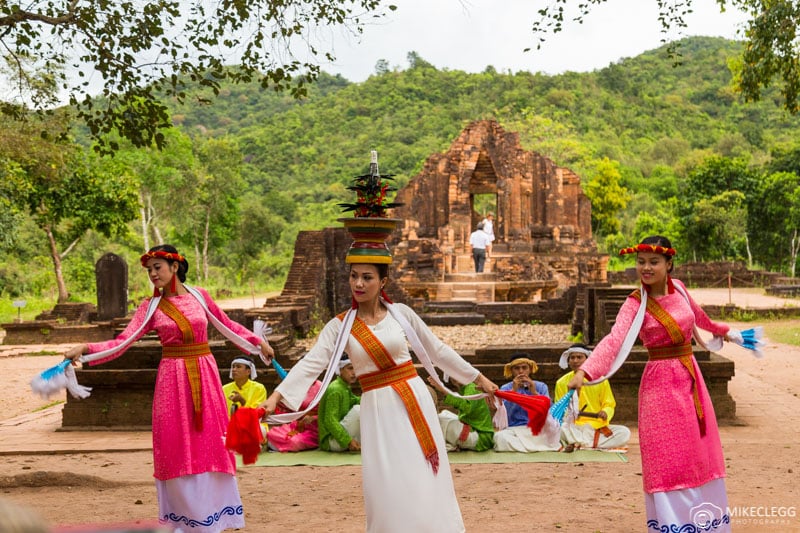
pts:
[370, 227]
[371, 189]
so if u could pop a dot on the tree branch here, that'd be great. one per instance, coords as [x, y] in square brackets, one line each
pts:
[27, 16]
[69, 248]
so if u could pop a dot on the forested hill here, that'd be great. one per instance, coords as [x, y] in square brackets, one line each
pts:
[659, 147]
[641, 111]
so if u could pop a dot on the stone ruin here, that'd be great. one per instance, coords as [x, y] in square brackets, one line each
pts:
[543, 235]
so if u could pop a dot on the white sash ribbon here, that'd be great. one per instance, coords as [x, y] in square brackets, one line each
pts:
[630, 338]
[79, 391]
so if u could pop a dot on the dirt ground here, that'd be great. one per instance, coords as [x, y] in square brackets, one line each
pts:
[760, 450]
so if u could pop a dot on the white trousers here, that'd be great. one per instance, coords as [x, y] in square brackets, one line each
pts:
[702, 509]
[200, 503]
[520, 439]
[352, 424]
[453, 428]
[584, 436]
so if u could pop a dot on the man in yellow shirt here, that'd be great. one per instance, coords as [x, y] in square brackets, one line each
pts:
[243, 391]
[596, 403]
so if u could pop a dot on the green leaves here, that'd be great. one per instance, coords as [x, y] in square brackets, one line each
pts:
[142, 51]
[771, 52]
[64, 191]
[608, 196]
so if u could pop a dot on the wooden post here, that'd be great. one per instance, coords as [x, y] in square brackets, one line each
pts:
[730, 289]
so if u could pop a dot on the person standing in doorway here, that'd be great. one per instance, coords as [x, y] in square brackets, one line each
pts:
[488, 225]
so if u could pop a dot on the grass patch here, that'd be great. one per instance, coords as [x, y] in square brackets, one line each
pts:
[783, 331]
[48, 406]
[33, 306]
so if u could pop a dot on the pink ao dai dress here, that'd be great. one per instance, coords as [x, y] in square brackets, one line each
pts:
[195, 473]
[683, 470]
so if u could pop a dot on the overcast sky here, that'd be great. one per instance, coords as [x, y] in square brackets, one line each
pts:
[471, 34]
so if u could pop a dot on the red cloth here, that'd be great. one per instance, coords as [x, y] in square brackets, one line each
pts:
[244, 433]
[537, 407]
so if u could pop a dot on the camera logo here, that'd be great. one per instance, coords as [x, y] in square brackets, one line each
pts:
[706, 516]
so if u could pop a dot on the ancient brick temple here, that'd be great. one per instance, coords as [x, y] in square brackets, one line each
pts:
[542, 221]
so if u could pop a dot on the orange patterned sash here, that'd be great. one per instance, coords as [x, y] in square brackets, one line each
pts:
[190, 353]
[387, 378]
[390, 374]
[681, 349]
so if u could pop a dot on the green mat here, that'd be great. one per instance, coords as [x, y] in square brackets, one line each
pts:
[321, 458]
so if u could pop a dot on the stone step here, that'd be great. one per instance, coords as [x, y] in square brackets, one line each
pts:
[453, 306]
[123, 398]
[453, 319]
[470, 277]
[469, 295]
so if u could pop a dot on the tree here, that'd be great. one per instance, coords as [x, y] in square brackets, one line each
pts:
[608, 196]
[718, 226]
[785, 159]
[144, 50]
[710, 210]
[9, 214]
[65, 191]
[662, 219]
[771, 49]
[211, 209]
[165, 177]
[716, 174]
[775, 221]
[259, 230]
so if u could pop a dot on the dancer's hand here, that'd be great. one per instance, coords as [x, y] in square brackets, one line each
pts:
[734, 336]
[270, 404]
[436, 385]
[267, 350]
[577, 380]
[486, 385]
[75, 352]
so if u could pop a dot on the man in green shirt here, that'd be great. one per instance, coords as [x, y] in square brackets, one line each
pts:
[339, 410]
[472, 428]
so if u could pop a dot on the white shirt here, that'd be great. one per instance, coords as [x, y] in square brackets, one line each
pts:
[479, 239]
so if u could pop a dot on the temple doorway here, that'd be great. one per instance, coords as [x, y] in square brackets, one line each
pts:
[482, 205]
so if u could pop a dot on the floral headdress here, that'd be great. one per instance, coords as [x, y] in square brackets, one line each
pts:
[371, 190]
[370, 226]
[652, 248]
[161, 254]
